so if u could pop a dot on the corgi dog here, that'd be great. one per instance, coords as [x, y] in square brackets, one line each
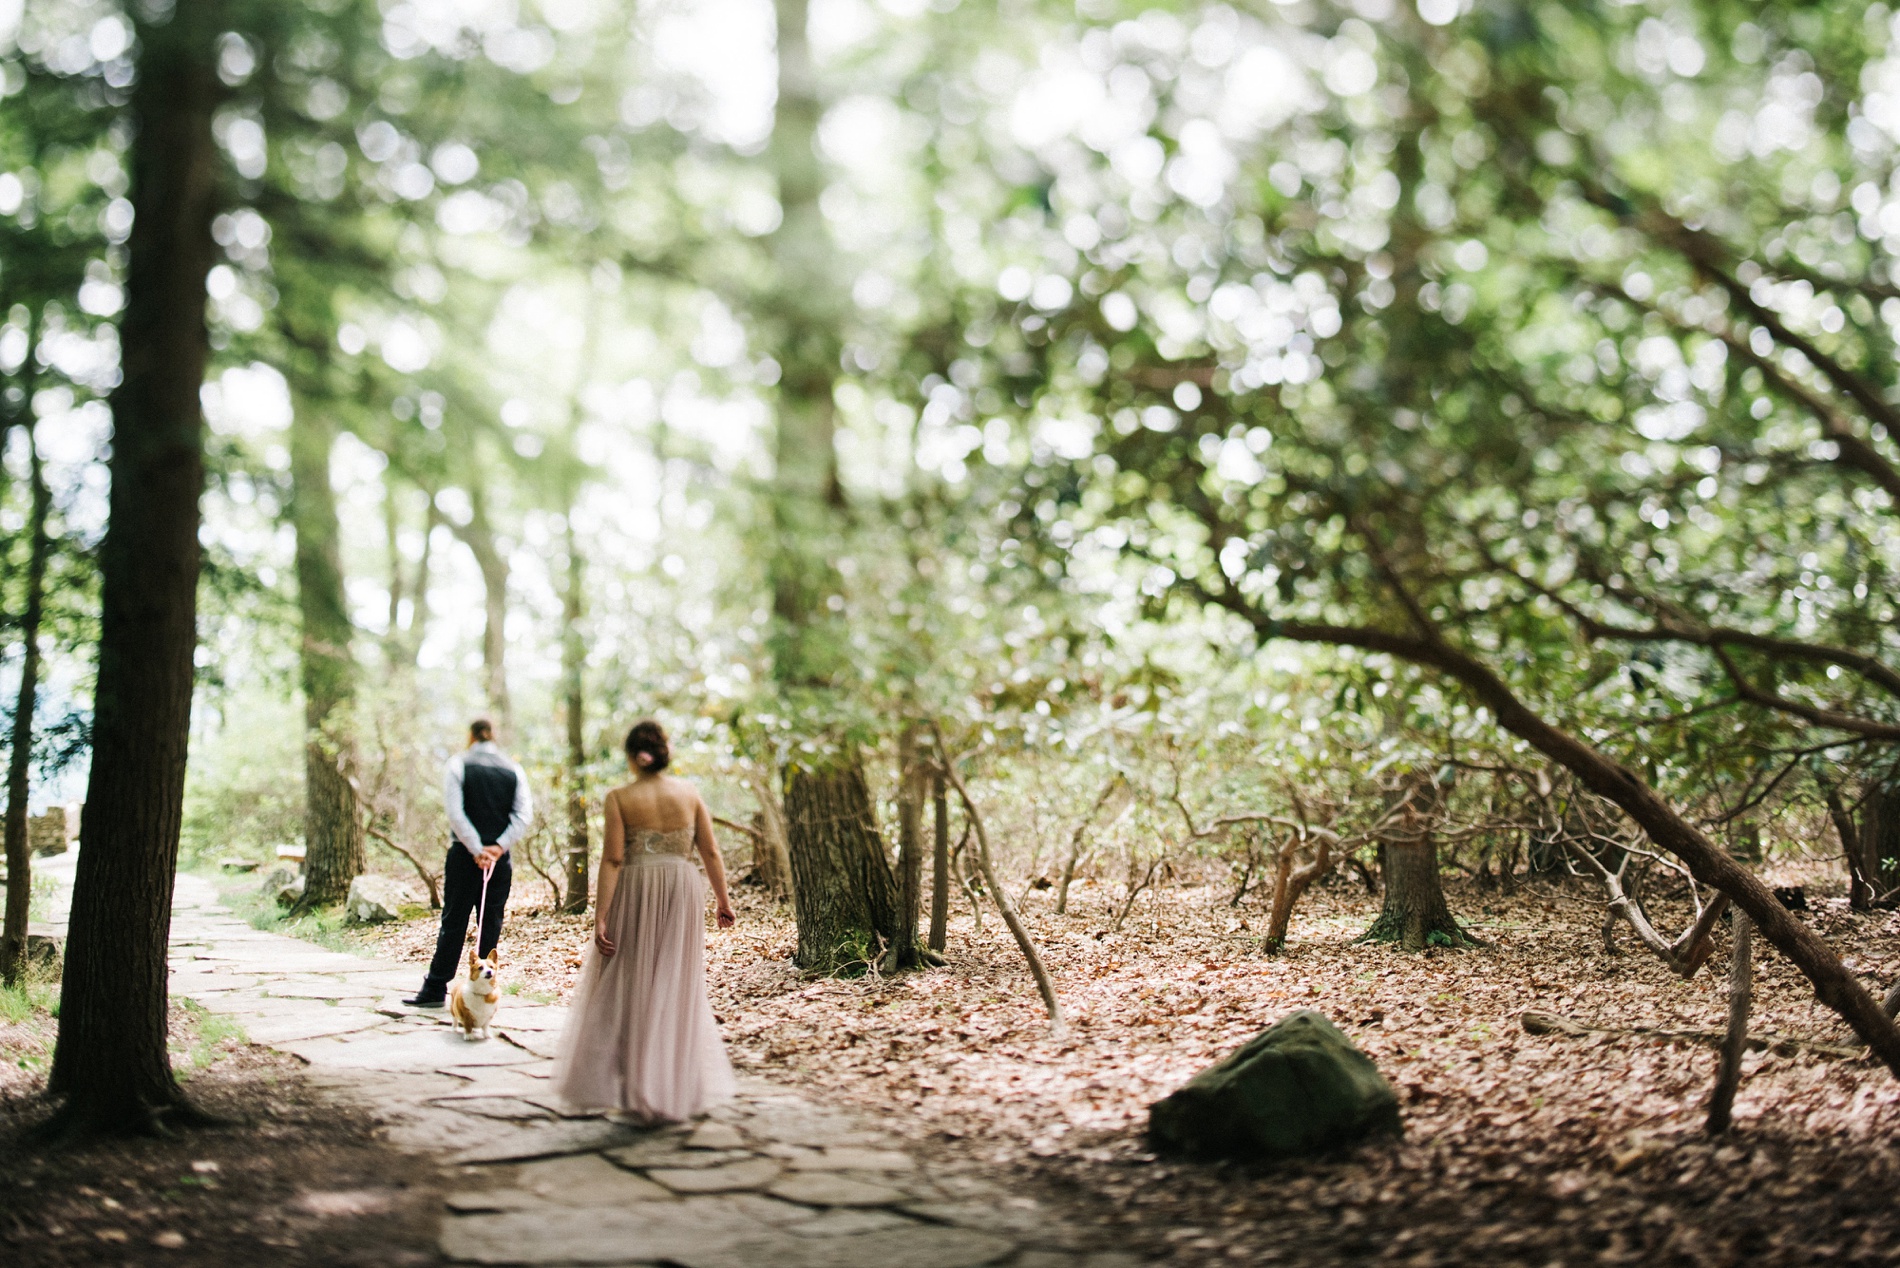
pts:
[473, 999]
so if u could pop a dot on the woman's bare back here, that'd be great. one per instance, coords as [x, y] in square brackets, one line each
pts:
[659, 803]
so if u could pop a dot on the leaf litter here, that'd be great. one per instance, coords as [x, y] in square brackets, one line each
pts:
[1519, 1148]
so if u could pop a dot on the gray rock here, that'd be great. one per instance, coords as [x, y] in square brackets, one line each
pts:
[1297, 1088]
[375, 900]
[44, 952]
[277, 879]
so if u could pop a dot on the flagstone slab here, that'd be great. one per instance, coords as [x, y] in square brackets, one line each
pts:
[1029, 1224]
[667, 1153]
[830, 1188]
[731, 1177]
[923, 1247]
[492, 1080]
[587, 1180]
[847, 1221]
[434, 1048]
[854, 1159]
[280, 1030]
[546, 1140]
[641, 1232]
[506, 1108]
[540, 1043]
[536, 1017]
[495, 1201]
[715, 1136]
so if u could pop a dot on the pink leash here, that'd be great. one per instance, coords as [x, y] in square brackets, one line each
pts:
[481, 915]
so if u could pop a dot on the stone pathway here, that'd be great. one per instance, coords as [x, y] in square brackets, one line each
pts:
[770, 1179]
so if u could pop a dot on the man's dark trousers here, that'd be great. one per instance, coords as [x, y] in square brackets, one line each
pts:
[461, 892]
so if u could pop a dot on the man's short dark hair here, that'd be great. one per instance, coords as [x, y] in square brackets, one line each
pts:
[481, 730]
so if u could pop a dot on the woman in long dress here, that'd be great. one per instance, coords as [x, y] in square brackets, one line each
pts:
[641, 1038]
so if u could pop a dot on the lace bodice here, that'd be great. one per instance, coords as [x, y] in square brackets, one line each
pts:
[652, 841]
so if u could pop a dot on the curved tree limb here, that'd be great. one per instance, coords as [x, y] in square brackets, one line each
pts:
[1833, 984]
[997, 892]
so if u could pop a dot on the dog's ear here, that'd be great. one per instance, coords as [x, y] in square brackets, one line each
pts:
[494, 957]
[472, 961]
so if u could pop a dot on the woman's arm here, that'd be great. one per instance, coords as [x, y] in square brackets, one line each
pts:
[612, 841]
[715, 865]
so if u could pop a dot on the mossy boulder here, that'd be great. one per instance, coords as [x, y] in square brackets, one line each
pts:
[1295, 1089]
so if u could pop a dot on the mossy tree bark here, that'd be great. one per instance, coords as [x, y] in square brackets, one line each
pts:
[1415, 914]
[333, 826]
[20, 756]
[110, 1063]
[842, 890]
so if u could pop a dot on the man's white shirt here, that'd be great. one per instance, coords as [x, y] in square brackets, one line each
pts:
[518, 819]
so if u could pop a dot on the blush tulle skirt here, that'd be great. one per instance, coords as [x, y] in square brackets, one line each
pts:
[641, 1038]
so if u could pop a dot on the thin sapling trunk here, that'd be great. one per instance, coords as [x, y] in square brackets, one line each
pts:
[1734, 1043]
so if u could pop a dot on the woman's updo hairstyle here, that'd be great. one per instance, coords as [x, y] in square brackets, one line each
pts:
[647, 747]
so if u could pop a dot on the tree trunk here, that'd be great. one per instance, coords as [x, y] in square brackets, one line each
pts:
[913, 772]
[20, 756]
[573, 663]
[939, 863]
[479, 536]
[1415, 914]
[842, 891]
[419, 590]
[110, 1063]
[392, 531]
[773, 859]
[333, 828]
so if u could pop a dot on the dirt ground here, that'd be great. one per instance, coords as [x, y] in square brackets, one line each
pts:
[1519, 1148]
[295, 1180]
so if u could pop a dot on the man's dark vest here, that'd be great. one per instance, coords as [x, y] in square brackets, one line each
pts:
[488, 793]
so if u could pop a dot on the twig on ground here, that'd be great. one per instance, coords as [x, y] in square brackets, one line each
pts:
[1780, 1045]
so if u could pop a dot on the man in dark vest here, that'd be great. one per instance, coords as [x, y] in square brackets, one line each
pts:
[486, 794]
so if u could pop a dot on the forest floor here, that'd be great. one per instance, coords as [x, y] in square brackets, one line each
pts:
[1519, 1148]
[266, 1189]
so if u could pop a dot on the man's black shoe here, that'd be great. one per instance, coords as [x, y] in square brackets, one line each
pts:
[422, 1000]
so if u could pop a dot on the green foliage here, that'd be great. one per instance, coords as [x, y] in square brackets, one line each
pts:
[327, 927]
[35, 995]
[244, 785]
[207, 1035]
